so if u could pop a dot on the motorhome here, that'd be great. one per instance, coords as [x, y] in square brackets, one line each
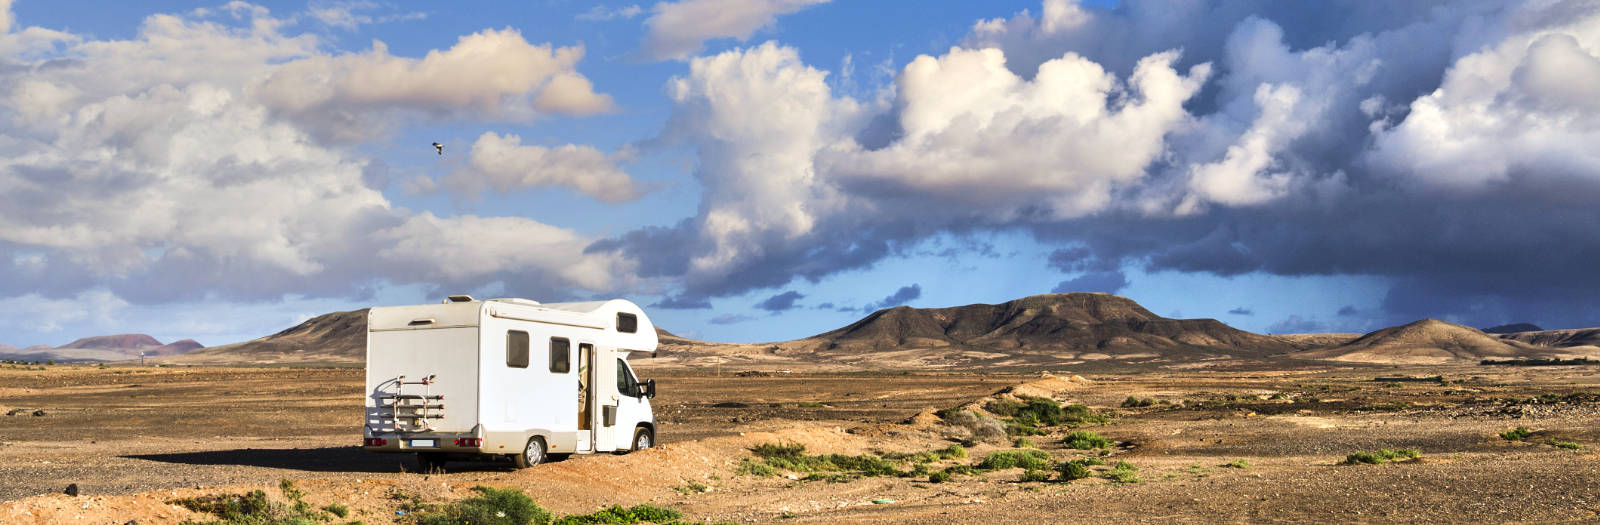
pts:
[507, 378]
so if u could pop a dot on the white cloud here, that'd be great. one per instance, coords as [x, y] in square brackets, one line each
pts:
[679, 29]
[1527, 107]
[602, 13]
[505, 164]
[491, 74]
[162, 167]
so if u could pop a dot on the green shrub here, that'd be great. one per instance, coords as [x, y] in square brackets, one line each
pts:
[1238, 463]
[1086, 440]
[1516, 434]
[1071, 470]
[939, 477]
[616, 514]
[1134, 402]
[1034, 476]
[1026, 459]
[1023, 442]
[792, 457]
[1381, 456]
[953, 452]
[1569, 445]
[337, 509]
[691, 488]
[779, 450]
[1123, 472]
[491, 507]
[755, 468]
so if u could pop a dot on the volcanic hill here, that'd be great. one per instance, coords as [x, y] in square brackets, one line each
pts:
[1429, 341]
[339, 337]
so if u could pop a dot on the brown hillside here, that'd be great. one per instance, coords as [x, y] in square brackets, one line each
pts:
[1429, 341]
[1073, 321]
[1558, 338]
[176, 347]
[339, 337]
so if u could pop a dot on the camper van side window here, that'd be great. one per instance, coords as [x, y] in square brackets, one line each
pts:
[560, 355]
[516, 349]
[627, 323]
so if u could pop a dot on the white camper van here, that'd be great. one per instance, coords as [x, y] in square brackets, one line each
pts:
[507, 378]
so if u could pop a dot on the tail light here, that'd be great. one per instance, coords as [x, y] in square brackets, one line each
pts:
[374, 442]
[469, 442]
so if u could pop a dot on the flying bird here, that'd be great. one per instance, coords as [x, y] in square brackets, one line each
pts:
[438, 147]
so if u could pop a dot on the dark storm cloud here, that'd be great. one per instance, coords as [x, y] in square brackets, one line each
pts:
[904, 295]
[1103, 282]
[1311, 149]
[780, 303]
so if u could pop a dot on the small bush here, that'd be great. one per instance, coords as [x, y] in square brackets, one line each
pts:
[1381, 456]
[953, 452]
[617, 514]
[1086, 440]
[1516, 434]
[491, 507]
[1238, 463]
[1134, 402]
[1123, 472]
[1026, 459]
[939, 477]
[779, 450]
[1023, 442]
[966, 424]
[691, 488]
[755, 468]
[1034, 476]
[1569, 445]
[337, 509]
[1071, 470]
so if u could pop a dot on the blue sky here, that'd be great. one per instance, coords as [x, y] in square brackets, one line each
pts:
[756, 170]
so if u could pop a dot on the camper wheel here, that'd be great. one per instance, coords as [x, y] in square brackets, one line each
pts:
[531, 455]
[643, 438]
[430, 462]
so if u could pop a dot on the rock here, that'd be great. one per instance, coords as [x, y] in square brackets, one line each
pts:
[38, 413]
[72, 490]
[17, 411]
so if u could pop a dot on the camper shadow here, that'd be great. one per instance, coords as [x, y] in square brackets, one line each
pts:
[329, 459]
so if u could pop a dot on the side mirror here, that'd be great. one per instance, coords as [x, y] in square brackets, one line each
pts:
[650, 388]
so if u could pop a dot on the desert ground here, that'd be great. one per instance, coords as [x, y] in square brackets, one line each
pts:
[133, 439]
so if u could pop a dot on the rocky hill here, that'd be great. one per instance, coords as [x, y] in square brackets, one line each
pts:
[1429, 341]
[1582, 337]
[123, 342]
[1081, 322]
[339, 337]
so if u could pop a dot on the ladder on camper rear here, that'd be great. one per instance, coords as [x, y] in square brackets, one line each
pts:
[412, 412]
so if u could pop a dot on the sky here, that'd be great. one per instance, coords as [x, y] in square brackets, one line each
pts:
[762, 170]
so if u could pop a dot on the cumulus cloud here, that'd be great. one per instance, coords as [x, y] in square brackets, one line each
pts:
[492, 74]
[162, 168]
[780, 303]
[351, 15]
[503, 163]
[1216, 137]
[679, 29]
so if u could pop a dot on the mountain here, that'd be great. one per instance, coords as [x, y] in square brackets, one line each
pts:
[339, 337]
[1083, 322]
[124, 342]
[1429, 341]
[176, 347]
[1558, 338]
[1512, 328]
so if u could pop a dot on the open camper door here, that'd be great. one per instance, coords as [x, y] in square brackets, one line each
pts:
[607, 398]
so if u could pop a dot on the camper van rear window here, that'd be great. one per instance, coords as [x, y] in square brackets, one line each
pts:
[517, 349]
[627, 323]
[560, 355]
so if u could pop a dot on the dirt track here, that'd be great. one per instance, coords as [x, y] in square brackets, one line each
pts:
[133, 438]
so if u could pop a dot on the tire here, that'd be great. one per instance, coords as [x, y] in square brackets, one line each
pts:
[430, 462]
[532, 454]
[643, 438]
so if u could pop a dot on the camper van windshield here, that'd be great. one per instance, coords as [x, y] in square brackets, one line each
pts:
[626, 384]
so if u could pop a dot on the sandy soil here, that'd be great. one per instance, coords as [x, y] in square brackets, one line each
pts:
[133, 439]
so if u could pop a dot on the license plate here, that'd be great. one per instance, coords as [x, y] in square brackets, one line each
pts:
[424, 443]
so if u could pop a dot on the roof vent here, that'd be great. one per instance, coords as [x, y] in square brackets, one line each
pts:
[459, 299]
